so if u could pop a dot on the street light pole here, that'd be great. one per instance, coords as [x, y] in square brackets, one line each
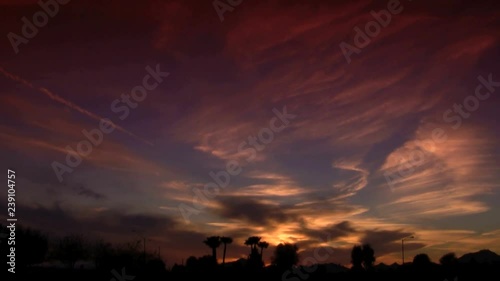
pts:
[403, 250]
[403, 247]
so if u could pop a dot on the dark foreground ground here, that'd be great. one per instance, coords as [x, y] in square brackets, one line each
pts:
[462, 273]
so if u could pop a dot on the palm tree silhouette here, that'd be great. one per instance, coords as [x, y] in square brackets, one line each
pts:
[262, 245]
[252, 241]
[225, 240]
[213, 242]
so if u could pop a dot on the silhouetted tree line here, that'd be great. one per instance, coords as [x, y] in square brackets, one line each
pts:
[34, 248]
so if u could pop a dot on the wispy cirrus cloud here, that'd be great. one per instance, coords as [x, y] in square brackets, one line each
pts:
[451, 176]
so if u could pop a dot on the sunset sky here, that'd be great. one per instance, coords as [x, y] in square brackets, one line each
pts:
[319, 181]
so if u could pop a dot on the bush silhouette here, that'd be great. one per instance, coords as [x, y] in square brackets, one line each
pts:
[285, 256]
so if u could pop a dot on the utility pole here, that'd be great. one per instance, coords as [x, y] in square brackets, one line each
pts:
[403, 247]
